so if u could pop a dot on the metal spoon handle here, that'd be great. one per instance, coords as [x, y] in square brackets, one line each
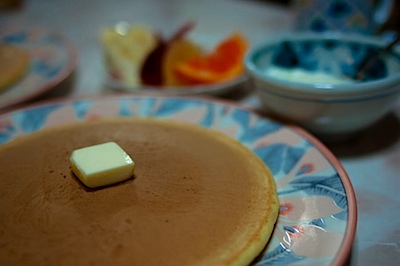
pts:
[371, 61]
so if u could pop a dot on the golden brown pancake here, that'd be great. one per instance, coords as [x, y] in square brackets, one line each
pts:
[14, 63]
[197, 197]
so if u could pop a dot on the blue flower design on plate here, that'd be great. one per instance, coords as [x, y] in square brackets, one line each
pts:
[15, 38]
[34, 119]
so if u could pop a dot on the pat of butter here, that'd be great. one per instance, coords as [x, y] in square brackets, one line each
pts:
[102, 164]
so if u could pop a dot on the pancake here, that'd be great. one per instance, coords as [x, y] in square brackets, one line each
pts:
[14, 63]
[197, 197]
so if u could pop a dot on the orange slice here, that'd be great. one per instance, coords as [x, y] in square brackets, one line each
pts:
[222, 64]
[179, 51]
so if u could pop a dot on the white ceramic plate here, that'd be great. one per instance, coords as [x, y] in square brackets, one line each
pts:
[207, 89]
[211, 89]
[52, 59]
[317, 219]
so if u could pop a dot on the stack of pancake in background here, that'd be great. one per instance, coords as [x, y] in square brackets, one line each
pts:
[14, 63]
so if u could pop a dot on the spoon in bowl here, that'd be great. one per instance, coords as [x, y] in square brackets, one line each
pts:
[369, 62]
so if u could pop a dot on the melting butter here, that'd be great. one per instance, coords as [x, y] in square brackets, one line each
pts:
[102, 164]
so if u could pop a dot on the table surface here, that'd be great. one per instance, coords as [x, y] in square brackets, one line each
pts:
[371, 160]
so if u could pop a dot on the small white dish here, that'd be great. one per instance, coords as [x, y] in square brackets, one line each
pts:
[126, 37]
[211, 89]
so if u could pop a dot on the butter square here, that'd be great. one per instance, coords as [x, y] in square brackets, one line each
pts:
[102, 164]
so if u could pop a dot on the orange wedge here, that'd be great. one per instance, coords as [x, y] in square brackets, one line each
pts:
[178, 51]
[222, 64]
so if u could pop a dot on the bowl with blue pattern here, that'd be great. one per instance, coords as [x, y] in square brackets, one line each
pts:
[310, 79]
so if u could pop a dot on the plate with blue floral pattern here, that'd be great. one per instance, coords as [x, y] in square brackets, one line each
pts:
[317, 215]
[52, 59]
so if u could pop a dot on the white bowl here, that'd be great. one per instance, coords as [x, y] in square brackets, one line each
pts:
[325, 108]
